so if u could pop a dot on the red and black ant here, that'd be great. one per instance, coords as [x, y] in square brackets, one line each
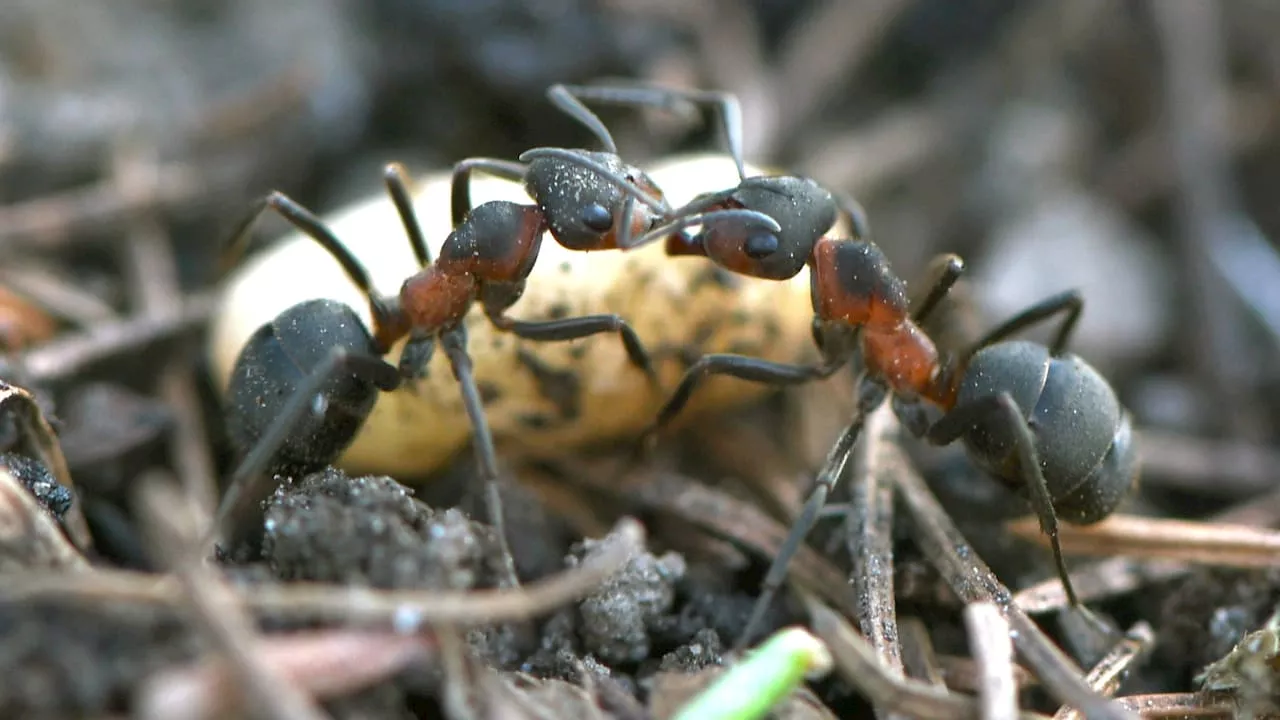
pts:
[304, 383]
[803, 210]
[1036, 417]
[1033, 416]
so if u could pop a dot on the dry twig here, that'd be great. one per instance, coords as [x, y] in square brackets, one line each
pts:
[973, 581]
[1154, 538]
[860, 665]
[1106, 676]
[992, 649]
[405, 610]
[215, 607]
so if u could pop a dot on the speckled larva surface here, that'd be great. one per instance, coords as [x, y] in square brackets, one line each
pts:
[550, 396]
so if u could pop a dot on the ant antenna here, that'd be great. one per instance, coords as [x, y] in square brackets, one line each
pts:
[562, 97]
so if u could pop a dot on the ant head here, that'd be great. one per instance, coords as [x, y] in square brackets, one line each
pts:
[803, 210]
[584, 196]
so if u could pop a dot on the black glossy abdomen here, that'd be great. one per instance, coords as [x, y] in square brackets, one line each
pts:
[272, 363]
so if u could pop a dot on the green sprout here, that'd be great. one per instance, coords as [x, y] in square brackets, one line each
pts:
[764, 679]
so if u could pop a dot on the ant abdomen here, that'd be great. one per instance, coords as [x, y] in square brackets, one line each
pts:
[1083, 436]
[279, 356]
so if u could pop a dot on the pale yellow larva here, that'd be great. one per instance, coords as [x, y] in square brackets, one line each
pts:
[551, 396]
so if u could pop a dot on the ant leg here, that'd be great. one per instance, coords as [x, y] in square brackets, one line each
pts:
[743, 368]
[249, 486]
[454, 343]
[1069, 302]
[397, 180]
[566, 98]
[460, 184]
[949, 268]
[303, 219]
[580, 327]
[872, 393]
[857, 215]
[725, 104]
[959, 420]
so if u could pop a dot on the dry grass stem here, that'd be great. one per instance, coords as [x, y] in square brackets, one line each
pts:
[324, 663]
[728, 518]
[919, 659]
[66, 356]
[1154, 538]
[993, 651]
[1116, 576]
[973, 581]
[860, 665]
[1178, 706]
[215, 608]
[1106, 676]
[402, 609]
[869, 538]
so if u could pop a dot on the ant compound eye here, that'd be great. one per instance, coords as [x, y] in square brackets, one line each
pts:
[597, 217]
[760, 245]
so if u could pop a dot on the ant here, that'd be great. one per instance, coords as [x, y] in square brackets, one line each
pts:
[1035, 417]
[1072, 448]
[318, 356]
[804, 212]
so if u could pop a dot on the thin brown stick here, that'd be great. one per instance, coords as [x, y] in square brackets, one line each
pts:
[1106, 676]
[1178, 706]
[1117, 576]
[973, 581]
[962, 674]
[216, 610]
[56, 295]
[728, 518]
[919, 659]
[65, 218]
[870, 541]
[859, 664]
[405, 610]
[325, 663]
[1156, 538]
[993, 650]
[70, 354]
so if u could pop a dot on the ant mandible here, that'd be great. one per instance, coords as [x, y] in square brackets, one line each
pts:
[1033, 416]
[319, 353]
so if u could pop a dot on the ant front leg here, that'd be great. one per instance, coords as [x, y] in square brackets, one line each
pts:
[962, 419]
[250, 485]
[580, 327]
[871, 394]
[454, 343]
